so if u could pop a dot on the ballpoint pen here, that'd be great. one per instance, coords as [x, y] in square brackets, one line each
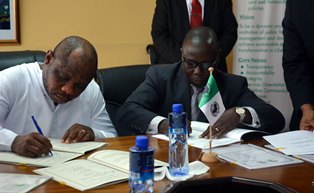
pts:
[39, 129]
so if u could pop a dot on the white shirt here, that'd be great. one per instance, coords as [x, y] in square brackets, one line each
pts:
[189, 6]
[22, 94]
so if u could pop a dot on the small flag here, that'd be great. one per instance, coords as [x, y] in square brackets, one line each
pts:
[211, 102]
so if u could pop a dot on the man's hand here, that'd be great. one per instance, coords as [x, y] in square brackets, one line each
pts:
[163, 127]
[228, 121]
[78, 133]
[31, 145]
[307, 120]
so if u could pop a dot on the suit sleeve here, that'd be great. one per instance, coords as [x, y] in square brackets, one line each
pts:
[296, 63]
[139, 109]
[165, 43]
[229, 34]
[271, 119]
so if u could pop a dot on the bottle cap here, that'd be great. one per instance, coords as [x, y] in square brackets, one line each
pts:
[142, 142]
[177, 108]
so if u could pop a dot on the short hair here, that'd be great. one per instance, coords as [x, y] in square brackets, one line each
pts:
[63, 50]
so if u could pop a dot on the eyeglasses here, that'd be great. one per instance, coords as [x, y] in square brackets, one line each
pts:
[193, 64]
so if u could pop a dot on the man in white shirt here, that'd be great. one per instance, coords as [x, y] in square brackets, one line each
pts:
[60, 94]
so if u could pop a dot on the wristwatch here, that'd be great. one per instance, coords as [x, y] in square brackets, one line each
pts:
[241, 112]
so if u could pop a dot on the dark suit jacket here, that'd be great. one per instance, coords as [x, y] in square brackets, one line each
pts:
[298, 55]
[167, 84]
[171, 24]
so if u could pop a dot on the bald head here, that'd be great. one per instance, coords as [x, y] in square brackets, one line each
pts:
[86, 51]
[203, 38]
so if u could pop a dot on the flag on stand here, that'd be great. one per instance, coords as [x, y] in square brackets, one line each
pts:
[211, 102]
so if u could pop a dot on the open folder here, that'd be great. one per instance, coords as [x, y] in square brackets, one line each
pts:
[234, 136]
[101, 168]
[61, 153]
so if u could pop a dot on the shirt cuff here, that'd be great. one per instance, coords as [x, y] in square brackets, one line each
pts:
[109, 133]
[6, 139]
[153, 125]
[255, 120]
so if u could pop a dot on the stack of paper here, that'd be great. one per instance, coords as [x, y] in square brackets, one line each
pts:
[293, 143]
[297, 143]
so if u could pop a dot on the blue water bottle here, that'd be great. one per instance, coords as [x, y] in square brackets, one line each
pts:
[178, 146]
[141, 166]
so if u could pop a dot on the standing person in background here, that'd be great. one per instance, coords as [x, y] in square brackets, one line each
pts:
[298, 61]
[60, 93]
[174, 18]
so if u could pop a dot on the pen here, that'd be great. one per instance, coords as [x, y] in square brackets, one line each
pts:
[38, 129]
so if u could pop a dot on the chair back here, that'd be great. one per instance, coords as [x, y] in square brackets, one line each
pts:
[116, 84]
[12, 58]
[154, 55]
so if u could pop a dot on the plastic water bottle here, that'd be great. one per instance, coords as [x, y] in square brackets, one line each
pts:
[141, 166]
[178, 146]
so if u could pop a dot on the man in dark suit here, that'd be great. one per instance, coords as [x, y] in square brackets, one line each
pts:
[171, 22]
[298, 61]
[146, 109]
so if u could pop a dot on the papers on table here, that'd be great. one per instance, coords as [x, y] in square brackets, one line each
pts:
[61, 153]
[293, 142]
[233, 136]
[58, 157]
[101, 168]
[83, 174]
[254, 157]
[81, 147]
[20, 183]
[306, 157]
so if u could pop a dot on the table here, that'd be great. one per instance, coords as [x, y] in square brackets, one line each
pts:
[298, 177]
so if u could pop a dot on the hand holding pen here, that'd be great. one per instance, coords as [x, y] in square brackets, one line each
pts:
[39, 129]
[31, 145]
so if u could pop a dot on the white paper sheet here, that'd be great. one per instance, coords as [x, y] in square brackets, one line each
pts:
[20, 183]
[293, 142]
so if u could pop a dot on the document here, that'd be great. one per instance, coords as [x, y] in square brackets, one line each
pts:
[298, 142]
[306, 157]
[20, 183]
[41, 161]
[234, 136]
[101, 168]
[81, 147]
[117, 159]
[254, 157]
[61, 153]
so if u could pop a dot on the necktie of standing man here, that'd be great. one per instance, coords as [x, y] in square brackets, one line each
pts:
[196, 14]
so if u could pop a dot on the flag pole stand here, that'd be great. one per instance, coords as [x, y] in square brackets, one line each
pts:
[210, 157]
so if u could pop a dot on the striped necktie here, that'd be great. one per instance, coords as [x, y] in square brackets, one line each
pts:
[195, 110]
